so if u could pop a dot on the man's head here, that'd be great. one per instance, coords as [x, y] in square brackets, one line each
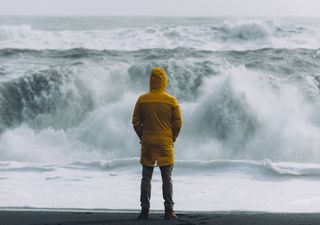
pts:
[158, 79]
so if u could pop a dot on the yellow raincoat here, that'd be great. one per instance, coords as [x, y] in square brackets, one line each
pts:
[157, 121]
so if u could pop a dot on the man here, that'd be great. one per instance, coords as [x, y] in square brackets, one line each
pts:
[157, 122]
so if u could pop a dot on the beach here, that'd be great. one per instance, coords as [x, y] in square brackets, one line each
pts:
[86, 217]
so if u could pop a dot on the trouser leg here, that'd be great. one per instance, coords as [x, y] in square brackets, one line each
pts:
[146, 186]
[167, 186]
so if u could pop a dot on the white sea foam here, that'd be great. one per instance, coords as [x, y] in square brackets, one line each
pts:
[264, 168]
[215, 166]
[221, 185]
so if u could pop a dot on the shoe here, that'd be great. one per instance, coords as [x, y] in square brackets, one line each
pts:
[170, 215]
[144, 214]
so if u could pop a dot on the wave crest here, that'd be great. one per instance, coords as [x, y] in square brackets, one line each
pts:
[248, 31]
[13, 33]
[212, 35]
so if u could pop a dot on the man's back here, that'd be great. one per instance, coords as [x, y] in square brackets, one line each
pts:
[159, 114]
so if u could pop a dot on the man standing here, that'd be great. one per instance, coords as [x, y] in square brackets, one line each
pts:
[157, 122]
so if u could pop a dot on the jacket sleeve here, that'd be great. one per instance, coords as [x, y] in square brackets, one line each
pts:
[136, 120]
[176, 122]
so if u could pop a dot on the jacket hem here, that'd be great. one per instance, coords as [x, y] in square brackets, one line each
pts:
[157, 165]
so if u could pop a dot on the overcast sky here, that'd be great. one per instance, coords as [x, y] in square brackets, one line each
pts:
[162, 7]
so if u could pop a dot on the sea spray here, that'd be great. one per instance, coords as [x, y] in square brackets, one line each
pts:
[237, 114]
[239, 99]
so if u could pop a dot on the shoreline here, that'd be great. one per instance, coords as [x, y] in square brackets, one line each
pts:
[49, 216]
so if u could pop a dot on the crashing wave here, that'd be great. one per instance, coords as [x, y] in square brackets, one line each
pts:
[68, 106]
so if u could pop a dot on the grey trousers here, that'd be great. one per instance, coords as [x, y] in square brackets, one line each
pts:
[166, 186]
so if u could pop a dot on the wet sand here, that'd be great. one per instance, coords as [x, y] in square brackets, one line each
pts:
[51, 217]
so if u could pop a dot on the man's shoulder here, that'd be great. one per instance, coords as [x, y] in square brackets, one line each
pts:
[144, 96]
[169, 96]
[171, 99]
[158, 97]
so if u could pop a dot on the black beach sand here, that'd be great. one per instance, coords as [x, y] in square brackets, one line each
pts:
[86, 217]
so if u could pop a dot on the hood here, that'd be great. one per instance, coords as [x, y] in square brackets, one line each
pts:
[158, 80]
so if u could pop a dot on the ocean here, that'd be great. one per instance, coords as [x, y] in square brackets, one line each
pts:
[248, 89]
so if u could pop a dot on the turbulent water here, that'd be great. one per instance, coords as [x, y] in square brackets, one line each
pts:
[248, 88]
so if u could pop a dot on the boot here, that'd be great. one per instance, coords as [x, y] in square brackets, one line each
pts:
[144, 214]
[170, 215]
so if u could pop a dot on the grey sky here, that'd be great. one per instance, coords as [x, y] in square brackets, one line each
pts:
[162, 7]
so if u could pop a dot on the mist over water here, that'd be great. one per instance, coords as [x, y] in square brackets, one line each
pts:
[248, 88]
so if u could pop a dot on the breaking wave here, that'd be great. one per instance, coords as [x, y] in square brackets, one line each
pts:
[248, 89]
[77, 103]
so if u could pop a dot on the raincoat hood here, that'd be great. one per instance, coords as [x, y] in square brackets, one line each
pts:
[158, 80]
